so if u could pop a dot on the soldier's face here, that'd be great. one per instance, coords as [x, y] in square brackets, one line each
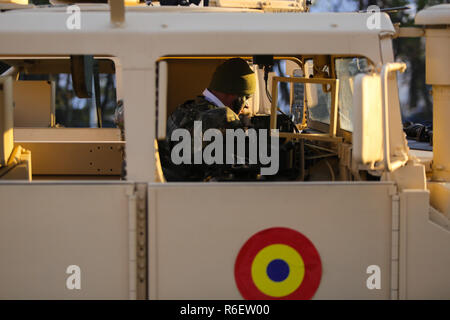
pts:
[239, 103]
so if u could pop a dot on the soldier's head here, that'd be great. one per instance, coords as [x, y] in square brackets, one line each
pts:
[233, 83]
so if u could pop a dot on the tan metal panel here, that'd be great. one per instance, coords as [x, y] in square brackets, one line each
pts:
[139, 110]
[63, 224]
[437, 52]
[168, 30]
[197, 230]
[440, 196]
[33, 101]
[66, 134]
[436, 15]
[187, 79]
[424, 250]
[75, 158]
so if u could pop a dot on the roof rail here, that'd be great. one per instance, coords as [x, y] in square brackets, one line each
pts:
[266, 5]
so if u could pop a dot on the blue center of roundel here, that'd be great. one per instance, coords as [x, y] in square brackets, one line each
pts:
[278, 270]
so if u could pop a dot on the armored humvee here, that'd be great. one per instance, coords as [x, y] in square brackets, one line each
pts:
[353, 213]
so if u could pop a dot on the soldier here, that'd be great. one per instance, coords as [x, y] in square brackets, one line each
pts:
[219, 106]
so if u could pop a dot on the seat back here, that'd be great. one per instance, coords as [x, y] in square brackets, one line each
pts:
[34, 103]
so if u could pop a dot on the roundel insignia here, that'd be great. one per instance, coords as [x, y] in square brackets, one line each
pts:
[278, 263]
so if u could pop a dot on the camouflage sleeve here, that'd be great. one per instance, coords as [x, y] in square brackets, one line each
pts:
[220, 118]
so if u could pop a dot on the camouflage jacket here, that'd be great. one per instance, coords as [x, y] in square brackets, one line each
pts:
[211, 116]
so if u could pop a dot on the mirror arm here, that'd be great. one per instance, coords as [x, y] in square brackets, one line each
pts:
[388, 68]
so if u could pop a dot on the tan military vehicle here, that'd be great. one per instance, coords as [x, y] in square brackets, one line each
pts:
[352, 212]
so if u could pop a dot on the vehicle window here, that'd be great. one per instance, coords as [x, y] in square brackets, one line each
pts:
[69, 109]
[72, 111]
[64, 111]
[318, 102]
[346, 71]
[304, 150]
[317, 97]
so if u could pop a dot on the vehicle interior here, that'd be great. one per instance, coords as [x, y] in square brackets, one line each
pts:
[60, 119]
[308, 98]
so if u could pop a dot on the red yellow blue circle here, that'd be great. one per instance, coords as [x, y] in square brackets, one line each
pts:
[278, 263]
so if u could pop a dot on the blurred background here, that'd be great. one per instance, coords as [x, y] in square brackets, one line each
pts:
[415, 97]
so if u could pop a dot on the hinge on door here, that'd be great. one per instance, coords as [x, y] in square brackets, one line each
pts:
[395, 243]
[141, 242]
[137, 239]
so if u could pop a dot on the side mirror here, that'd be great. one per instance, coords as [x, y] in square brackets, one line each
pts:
[367, 121]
